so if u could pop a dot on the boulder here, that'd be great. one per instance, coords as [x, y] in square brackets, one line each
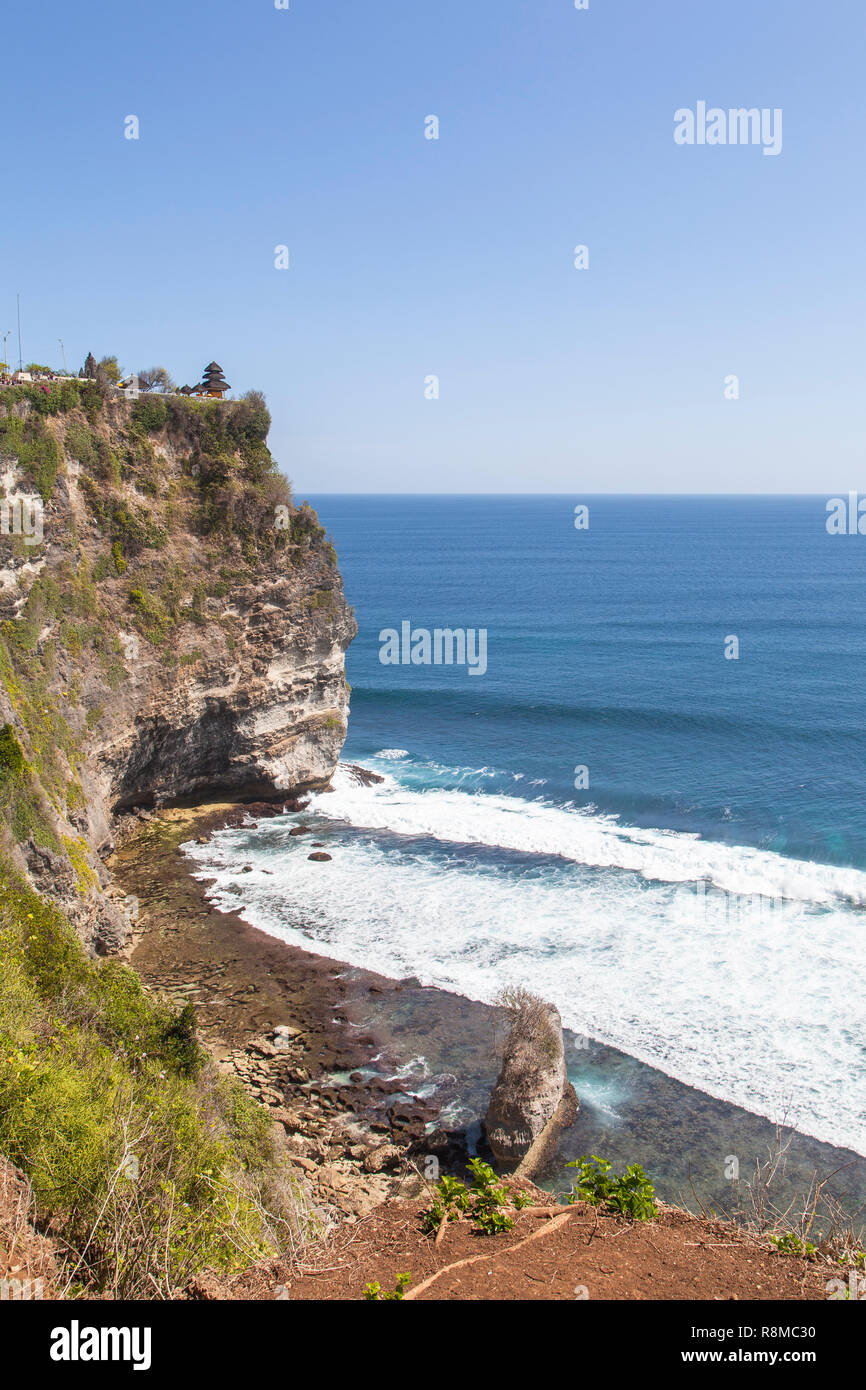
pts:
[362, 775]
[532, 1082]
[283, 1037]
[264, 810]
[382, 1157]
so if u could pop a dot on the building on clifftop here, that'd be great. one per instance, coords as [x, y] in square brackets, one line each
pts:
[213, 382]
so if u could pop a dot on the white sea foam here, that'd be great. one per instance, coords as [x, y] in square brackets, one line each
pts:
[585, 837]
[753, 1001]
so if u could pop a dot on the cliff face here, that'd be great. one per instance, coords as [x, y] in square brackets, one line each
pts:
[257, 704]
[178, 634]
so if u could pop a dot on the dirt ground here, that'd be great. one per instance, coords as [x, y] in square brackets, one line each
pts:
[573, 1254]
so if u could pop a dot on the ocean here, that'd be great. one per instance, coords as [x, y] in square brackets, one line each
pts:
[648, 808]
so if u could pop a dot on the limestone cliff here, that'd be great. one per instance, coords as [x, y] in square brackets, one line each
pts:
[176, 633]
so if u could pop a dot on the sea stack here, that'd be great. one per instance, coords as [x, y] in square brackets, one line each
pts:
[533, 1098]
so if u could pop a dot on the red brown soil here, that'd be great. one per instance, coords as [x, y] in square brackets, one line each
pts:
[576, 1253]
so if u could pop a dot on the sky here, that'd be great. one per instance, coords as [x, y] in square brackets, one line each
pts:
[412, 258]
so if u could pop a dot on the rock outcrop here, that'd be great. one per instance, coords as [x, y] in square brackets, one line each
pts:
[533, 1097]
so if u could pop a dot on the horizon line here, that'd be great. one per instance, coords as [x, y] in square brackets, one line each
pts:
[843, 492]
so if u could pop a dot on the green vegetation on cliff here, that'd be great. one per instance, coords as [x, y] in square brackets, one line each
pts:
[151, 474]
[150, 1166]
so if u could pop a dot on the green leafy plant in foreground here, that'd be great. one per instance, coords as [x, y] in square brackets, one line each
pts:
[630, 1195]
[485, 1201]
[374, 1293]
[791, 1244]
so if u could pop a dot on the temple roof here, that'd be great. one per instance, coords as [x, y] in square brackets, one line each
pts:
[213, 377]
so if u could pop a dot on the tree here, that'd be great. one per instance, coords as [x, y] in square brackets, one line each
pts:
[252, 417]
[108, 367]
[155, 379]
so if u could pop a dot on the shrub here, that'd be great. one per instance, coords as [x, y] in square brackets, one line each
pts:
[92, 398]
[374, 1293]
[790, 1244]
[132, 527]
[85, 876]
[20, 801]
[152, 618]
[107, 463]
[149, 1167]
[145, 467]
[38, 453]
[80, 445]
[12, 760]
[149, 414]
[52, 398]
[630, 1195]
[484, 1202]
[252, 417]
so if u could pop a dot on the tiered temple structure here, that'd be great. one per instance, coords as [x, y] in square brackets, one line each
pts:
[213, 383]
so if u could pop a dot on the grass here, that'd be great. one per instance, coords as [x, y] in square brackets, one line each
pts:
[533, 1035]
[149, 1165]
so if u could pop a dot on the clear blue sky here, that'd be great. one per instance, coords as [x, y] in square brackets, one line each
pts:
[411, 257]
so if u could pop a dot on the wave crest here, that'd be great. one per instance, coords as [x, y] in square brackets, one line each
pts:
[585, 836]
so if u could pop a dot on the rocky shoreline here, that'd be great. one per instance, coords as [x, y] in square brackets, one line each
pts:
[344, 1073]
[288, 1024]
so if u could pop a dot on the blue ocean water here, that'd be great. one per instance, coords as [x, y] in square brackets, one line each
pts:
[606, 649]
[700, 903]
